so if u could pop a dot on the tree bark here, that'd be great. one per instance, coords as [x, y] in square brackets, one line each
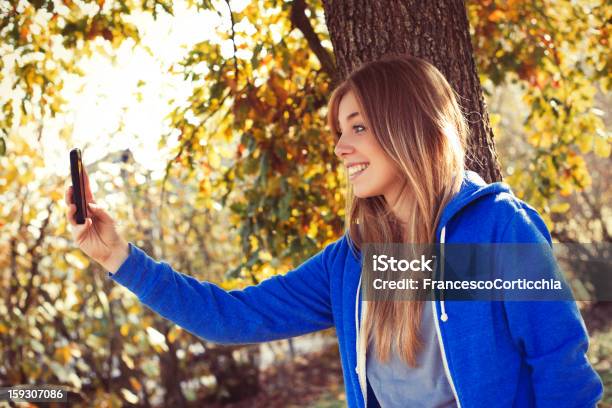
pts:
[437, 31]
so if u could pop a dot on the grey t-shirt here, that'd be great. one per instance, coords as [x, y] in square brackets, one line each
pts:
[396, 384]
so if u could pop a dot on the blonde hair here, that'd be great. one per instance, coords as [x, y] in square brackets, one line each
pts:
[414, 114]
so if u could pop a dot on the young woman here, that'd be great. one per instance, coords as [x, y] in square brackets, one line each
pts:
[401, 137]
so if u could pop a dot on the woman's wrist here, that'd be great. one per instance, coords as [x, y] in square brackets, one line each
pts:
[119, 253]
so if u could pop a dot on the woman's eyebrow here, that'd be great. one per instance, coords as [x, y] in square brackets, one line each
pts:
[350, 116]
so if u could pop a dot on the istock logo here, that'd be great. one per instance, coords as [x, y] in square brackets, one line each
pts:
[383, 263]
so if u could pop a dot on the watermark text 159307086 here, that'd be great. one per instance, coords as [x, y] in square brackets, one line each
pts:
[34, 393]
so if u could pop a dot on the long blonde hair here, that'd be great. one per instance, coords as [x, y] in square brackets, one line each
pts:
[414, 114]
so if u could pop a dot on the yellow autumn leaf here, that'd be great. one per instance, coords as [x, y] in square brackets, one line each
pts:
[214, 160]
[265, 256]
[156, 339]
[496, 16]
[129, 396]
[128, 361]
[56, 195]
[173, 333]
[314, 169]
[584, 141]
[63, 355]
[269, 97]
[135, 384]
[602, 147]
[313, 230]
[254, 242]
[273, 186]
[560, 207]
[134, 309]
[77, 259]
[266, 272]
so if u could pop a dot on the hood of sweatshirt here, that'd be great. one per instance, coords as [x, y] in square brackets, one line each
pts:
[472, 189]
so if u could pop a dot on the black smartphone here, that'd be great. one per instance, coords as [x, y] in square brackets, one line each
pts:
[78, 186]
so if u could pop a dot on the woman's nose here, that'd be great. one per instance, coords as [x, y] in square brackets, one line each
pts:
[342, 148]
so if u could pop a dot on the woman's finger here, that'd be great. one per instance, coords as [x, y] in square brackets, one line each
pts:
[68, 195]
[88, 195]
[80, 230]
[99, 213]
[71, 212]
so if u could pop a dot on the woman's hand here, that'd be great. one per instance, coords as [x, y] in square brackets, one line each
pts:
[98, 237]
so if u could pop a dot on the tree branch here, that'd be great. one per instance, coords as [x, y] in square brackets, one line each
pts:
[236, 71]
[183, 145]
[36, 256]
[300, 21]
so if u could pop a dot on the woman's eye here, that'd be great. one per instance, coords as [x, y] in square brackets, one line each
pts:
[356, 127]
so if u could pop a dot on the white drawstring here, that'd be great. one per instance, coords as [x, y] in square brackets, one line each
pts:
[444, 316]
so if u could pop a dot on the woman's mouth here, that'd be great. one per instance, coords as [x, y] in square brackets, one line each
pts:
[355, 170]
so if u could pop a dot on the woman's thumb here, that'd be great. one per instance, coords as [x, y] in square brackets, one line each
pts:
[99, 212]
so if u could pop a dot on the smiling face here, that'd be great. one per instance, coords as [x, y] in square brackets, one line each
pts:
[371, 171]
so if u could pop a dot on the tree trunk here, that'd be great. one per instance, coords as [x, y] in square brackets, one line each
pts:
[171, 375]
[437, 31]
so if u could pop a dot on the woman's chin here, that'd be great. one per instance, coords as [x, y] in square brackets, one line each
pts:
[363, 192]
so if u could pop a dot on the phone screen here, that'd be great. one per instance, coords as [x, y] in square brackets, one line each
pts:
[78, 186]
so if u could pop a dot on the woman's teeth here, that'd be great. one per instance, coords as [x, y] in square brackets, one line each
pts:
[357, 169]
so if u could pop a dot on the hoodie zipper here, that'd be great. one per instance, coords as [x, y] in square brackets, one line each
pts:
[444, 318]
[361, 367]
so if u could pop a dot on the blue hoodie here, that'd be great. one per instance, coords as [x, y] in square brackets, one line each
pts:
[495, 353]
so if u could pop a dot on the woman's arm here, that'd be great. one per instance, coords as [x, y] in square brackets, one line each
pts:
[551, 333]
[554, 341]
[282, 306]
[279, 307]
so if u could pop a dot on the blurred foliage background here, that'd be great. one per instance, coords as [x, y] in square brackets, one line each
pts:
[202, 125]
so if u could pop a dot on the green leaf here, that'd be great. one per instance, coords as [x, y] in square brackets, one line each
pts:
[255, 57]
[264, 164]
[284, 210]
